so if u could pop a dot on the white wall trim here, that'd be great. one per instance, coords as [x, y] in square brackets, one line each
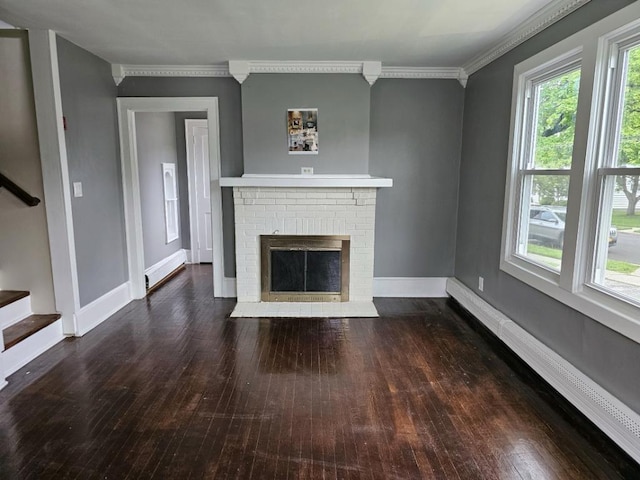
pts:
[229, 287]
[127, 107]
[421, 73]
[188, 255]
[547, 16]
[157, 272]
[241, 69]
[31, 347]
[93, 314]
[612, 416]
[426, 287]
[120, 71]
[55, 175]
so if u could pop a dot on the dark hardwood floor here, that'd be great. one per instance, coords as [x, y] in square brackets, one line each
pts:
[170, 387]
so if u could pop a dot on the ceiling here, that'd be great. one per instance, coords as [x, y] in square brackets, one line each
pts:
[425, 33]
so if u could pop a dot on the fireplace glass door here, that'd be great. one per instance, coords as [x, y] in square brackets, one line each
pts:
[299, 268]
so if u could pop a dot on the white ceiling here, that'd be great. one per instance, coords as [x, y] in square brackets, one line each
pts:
[428, 33]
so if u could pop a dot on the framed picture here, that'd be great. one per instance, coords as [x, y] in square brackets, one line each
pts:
[302, 131]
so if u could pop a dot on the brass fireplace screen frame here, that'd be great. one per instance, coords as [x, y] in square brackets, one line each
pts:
[268, 243]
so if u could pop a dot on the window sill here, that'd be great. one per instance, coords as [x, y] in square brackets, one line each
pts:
[611, 312]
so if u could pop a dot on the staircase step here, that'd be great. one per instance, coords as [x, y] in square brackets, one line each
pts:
[10, 296]
[24, 328]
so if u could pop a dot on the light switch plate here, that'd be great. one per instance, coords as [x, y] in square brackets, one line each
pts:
[77, 189]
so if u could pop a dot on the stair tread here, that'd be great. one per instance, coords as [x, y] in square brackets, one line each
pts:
[10, 296]
[27, 327]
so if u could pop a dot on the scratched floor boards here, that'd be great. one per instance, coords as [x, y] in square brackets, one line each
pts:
[170, 387]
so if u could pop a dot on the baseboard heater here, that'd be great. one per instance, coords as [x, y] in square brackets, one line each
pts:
[155, 274]
[608, 413]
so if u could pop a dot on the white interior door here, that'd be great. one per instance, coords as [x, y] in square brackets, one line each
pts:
[199, 190]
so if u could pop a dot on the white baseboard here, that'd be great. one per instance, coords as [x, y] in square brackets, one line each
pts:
[164, 267]
[410, 287]
[14, 312]
[23, 352]
[188, 255]
[613, 417]
[229, 287]
[92, 315]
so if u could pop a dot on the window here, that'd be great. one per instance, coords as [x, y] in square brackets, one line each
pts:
[617, 270]
[549, 102]
[571, 226]
[171, 221]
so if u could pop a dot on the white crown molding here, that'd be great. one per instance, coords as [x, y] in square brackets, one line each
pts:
[371, 70]
[260, 66]
[544, 18]
[120, 71]
[423, 73]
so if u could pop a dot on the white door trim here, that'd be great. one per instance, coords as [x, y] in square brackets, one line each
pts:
[189, 123]
[127, 107]
[55, 175]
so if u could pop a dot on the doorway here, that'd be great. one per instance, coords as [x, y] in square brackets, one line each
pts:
[197, 143]
[127, 108]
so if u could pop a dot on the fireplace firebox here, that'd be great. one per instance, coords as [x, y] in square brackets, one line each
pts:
[305, 268]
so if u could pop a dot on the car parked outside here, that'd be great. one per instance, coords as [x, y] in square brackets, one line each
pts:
[546, 225]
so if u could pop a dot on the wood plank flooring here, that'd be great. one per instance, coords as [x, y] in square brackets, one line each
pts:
[170, 387]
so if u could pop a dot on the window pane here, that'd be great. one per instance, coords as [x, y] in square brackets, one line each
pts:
[628, 154]
[556, 104]
[542, 217]
[617, 265]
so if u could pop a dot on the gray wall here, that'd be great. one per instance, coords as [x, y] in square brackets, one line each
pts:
[89, 106]
[156, 144]
[415, 139]
[183, 178]
[342, 101]
[230, 110]
[25, 261]
[607, 357]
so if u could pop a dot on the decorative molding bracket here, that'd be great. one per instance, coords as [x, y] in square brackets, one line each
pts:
[118, 73]
[239, 69]
[371, 71]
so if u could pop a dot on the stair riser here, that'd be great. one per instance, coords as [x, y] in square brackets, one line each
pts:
[14, 312]
[29, 348]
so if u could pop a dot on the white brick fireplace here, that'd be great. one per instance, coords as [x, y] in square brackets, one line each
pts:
[305, 205]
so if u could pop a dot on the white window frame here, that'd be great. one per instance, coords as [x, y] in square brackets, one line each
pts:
[170, 190]
[522, 152]
[572, 285]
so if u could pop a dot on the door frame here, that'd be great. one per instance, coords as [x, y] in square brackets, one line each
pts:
[127, 108]
[194, 225]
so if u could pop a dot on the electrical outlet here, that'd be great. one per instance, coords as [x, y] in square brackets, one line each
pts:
[481, 284]
[77, 189]
[306, 171]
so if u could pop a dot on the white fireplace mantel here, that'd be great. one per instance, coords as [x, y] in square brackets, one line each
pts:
[304, 205]
[309, 181]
